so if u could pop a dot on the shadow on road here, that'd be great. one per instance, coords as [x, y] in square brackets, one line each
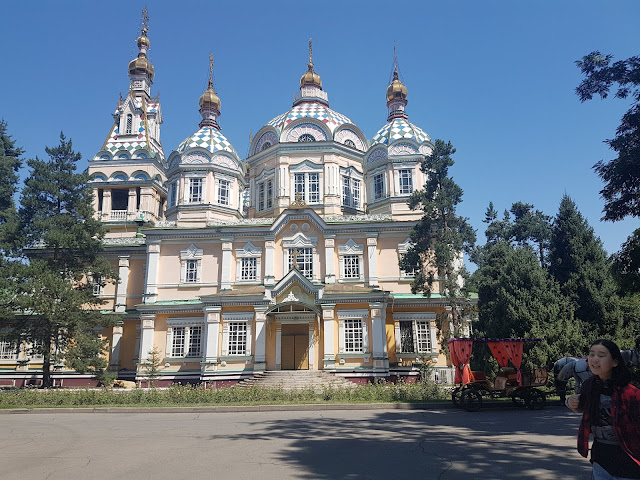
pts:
[430, 445]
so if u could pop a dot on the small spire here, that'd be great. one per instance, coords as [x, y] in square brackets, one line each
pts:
[211, 70]
[310, 56]
[395, 63]
[145, 21]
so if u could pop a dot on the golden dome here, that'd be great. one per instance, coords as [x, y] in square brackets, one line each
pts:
[143, 40]
[396, 89]
[141, 65]
[210, 99]
[310, 78]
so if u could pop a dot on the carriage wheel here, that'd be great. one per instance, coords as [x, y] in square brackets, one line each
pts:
[519, 397]
[536, 399]
[456, 396]
[471, 400]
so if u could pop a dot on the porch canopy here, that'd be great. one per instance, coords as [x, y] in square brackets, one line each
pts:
[502, 349]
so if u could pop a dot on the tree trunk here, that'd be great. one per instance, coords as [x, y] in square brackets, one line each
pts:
[46, 364]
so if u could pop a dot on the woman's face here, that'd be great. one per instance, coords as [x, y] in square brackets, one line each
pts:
[601, 362]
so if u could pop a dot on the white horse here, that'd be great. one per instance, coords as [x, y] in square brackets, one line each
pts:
[578, 368]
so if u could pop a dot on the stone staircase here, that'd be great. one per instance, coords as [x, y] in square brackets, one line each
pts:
[296, 380]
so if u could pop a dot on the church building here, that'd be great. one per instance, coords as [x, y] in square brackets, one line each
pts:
[285, 260]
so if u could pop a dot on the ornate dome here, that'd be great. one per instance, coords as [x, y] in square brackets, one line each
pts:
[399, 129]
[141, 65]
[209, 138]
[397, 89]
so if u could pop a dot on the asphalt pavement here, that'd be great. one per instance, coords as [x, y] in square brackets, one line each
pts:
[293, 443]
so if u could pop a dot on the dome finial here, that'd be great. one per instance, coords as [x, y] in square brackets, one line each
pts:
[141, 65]
[310, 78]
[396, 91]
[210, 102]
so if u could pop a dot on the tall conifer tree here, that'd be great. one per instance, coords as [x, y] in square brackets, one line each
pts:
[578, 262]
[62, 242]
[440, 238]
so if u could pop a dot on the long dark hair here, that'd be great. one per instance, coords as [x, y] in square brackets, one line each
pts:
[590, 391]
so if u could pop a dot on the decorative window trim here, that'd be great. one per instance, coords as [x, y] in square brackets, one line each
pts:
[351, 248]
[235, 318]
[353, 314]
[265, 193]
[248, 251]
[191, 253]
[229, 186]
[190, 326]
[301, 241]
[403, 248]
[307, 169]
[189, 195]
[397, 172]
[383, 193]
[428, 318]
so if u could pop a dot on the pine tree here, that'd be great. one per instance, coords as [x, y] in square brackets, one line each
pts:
[517, 298]
[578, 262]
[440, 238]
[61, 245]
[10, 163]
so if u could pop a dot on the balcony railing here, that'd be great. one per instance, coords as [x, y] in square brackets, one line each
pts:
[125, 216]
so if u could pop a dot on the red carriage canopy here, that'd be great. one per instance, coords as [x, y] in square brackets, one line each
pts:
[502, 349]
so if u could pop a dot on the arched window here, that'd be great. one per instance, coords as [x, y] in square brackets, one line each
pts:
[129, 124]
[306, 137]
[349, 143]
[266, 145]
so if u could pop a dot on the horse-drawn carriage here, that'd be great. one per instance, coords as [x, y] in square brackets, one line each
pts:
[510, 382]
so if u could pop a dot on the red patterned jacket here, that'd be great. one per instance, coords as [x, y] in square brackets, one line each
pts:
[625, 414]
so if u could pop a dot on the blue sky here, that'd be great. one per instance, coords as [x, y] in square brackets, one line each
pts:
[496, 78]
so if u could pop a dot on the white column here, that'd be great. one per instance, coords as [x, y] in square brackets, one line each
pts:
[106, 203]
[329, 260]
[123, 282]
[372, 245]
[311, 345]
[116, 338]
[269, 252]
[147, 324]
[151, 281]
[278, 346]
[227, 246]
[379, 348]
[328, 318]
[212, 333]
[283, 186]
[260, 351]
[316, 264]
[131, 204]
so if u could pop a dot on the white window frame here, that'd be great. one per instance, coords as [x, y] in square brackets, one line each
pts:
[399, 177]
[233, 323]
[249, 251]
[173, 194]
[195, 195]
[403, 248]
[377, 195]
[97, 285]
[8, 351]
[190, 255]
[347, 322]
[128, 125]
[309, 174]
[192, 329]
[422, 323]
[265, 194]
[351, 249]
[301, 242]
[221, 197]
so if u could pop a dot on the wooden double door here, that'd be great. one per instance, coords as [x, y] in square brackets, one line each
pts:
[295, 347]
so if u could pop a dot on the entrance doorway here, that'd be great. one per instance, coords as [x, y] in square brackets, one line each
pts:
[295, 347]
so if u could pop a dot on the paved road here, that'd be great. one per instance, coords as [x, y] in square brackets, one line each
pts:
[350, 444]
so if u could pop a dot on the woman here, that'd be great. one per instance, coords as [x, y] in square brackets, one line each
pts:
[610, 409]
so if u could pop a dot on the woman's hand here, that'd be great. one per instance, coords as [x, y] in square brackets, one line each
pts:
[573, 402]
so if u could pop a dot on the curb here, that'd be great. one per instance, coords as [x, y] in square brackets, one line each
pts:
[311, 407]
